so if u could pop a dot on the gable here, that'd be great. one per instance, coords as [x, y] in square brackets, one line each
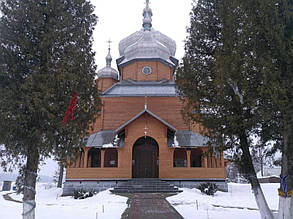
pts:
[151, 114]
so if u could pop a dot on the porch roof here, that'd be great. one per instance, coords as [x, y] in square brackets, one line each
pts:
[180, 138]
[105, 139]
[185, 138]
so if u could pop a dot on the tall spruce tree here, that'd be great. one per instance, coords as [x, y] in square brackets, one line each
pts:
[46, 59]
[224, 76]
[286, 203]
[281, 91]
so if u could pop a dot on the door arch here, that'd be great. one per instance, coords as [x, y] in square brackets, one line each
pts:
[145, 158]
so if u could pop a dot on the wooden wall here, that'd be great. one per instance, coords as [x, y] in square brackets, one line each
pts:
[118, 110]
[159, 71]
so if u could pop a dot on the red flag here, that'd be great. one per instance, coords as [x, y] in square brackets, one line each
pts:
[71, 107]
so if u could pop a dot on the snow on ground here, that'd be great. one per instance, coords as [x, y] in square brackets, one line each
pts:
[51, 206]
[192, 204]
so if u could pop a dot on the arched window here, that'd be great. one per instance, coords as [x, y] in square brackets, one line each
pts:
[111, 157]
[195, 157]
[94, 157]
[179, 158]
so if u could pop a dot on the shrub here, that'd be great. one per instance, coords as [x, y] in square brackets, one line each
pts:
[208, 188]
[81, 194]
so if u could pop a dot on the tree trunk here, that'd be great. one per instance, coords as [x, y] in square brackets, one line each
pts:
[30, 179]
[261, 165]
[286, 203]
[60, 177]
[248, 169]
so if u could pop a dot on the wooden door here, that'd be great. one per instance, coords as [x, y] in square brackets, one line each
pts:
[145, 159]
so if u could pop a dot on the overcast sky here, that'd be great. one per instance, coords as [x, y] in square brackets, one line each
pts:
[120, 18]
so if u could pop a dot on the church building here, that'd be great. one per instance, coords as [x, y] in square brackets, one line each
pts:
[140, 131]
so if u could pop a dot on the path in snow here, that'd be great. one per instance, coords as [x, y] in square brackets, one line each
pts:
[149, 206]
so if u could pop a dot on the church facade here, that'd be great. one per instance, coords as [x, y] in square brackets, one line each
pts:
[140, 131]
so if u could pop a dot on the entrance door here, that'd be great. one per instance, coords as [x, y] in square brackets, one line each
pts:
[145, 158]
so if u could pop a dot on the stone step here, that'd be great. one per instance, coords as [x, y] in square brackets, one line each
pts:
[145, 181]
[131, 188]
[145, 191]
[140, 185]
[145, 184]
[147, 187]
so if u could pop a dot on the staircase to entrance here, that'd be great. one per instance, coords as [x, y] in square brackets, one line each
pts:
[145, 185]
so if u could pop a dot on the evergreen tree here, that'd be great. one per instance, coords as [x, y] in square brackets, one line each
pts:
[281, 91]
[46, 60]
[225, 81]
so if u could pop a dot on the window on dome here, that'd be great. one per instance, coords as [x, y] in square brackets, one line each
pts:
[147, 70]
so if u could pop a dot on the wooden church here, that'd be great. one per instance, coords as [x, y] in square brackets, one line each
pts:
[140, 131]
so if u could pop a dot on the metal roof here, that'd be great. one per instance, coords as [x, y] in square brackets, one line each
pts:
[188, 139]
[104, 138]
[147, 43]
[129, 88]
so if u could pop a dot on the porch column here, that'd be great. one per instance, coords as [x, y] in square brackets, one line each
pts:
[118, 158]
[188, 158]
[102, 157]
[86, 150]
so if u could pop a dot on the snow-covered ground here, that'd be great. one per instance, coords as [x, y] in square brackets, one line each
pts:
[51, 206]
[190, 204]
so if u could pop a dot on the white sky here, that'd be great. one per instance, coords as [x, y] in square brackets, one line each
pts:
[120, 18]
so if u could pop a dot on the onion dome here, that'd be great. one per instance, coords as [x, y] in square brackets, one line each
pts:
[108, 71]
[147, 43]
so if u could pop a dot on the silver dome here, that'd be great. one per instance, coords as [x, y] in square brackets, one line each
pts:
[108, 71]
[147, 43]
